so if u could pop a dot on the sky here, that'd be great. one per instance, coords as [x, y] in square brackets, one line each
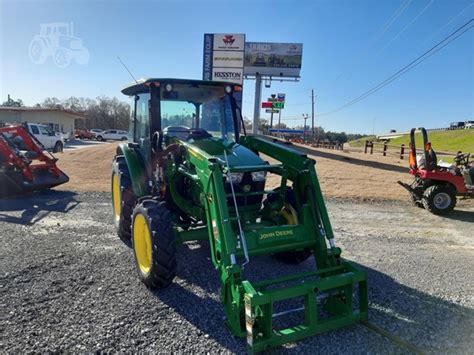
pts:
[349, 46]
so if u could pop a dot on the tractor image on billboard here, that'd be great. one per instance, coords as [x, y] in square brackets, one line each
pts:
[57, 40]
[192, 173]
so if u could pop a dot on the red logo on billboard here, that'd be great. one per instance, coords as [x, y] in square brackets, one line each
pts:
[228, 40]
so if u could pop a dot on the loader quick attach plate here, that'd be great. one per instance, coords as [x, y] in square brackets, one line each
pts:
[328, 303]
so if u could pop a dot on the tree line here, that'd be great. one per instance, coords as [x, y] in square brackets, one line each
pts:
[319, 132]
[102, 112]
[106, 113]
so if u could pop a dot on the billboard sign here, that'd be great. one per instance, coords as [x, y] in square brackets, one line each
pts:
[223, 58]
[281, 97]
[267, 104]
[227, 59]
[207, 58]
[234, 75]
[269, 110]
[225, 42]
[274, 59]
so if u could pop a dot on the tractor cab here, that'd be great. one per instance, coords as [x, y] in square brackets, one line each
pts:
[168, 109]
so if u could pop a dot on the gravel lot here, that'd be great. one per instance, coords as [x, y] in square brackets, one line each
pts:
[69, 284]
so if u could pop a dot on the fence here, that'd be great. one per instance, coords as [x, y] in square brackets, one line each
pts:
[401, 150]
[328, 145]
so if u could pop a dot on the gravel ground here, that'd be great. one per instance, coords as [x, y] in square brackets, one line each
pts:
[69, 284]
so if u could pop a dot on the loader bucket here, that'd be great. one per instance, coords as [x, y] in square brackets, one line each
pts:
[13, 184]
[24, 164]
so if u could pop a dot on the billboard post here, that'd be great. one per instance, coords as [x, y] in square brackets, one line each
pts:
[256, 108]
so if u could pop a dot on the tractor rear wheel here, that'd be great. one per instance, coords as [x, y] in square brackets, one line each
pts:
[154, 243]
[289, 214]
[439, 199]
[123, 199]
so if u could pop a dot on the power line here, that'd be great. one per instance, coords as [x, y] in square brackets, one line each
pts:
[448, 23]
[440, 45]
[403, 6]
[418, 15]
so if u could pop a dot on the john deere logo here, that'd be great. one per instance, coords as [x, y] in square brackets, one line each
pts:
[228, 40]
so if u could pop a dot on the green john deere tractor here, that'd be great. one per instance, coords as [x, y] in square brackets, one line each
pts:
[190, 172]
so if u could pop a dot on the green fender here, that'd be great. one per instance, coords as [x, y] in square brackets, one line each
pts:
[136, 169]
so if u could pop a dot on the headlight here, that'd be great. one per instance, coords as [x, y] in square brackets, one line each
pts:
[235, 178]
[259, 175]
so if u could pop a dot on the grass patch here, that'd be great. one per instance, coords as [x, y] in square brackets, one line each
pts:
[361, 142]
[449, 141]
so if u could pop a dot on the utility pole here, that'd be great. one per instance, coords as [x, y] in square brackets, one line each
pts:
[312, 113]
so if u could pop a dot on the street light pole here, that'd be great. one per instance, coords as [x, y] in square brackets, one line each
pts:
[305, 116]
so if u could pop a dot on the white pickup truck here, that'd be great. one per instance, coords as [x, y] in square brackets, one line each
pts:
[49, 139]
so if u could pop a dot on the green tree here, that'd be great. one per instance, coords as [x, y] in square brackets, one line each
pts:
[13, 103]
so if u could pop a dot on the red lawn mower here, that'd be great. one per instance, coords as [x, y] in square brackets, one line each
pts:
[435, 187]
[24, 164]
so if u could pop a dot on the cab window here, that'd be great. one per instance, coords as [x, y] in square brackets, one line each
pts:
[44, 130]
[140, 123]
[34, 129]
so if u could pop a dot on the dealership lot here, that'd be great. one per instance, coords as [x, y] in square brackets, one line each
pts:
[69, 284]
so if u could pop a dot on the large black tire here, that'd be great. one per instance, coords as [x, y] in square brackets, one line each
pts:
[58, 147]
[153, 227]
[416, 201]
[293, 256]
[439, 199]
[127, 199]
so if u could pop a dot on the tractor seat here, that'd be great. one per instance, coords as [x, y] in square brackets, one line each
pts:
[180, 132]
[198, 133]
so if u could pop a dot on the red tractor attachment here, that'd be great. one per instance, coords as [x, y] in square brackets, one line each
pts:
[435, 187]
[24, 164]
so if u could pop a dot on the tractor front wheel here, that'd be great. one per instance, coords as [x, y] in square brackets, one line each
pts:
[154, 243]
[123, 199]
[289, 215]
[439, 199]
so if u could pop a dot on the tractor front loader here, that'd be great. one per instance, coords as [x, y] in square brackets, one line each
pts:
[190, 174]
[25, 165]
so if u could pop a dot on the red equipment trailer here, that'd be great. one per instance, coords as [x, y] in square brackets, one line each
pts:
[24, 164]
[435, 188]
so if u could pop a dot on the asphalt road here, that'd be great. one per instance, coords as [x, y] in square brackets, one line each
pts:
[69, 284]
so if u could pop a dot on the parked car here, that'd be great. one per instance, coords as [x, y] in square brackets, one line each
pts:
[112, 134]
[96, 131]
[47, 137]
[469, 125]
[84, 134]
